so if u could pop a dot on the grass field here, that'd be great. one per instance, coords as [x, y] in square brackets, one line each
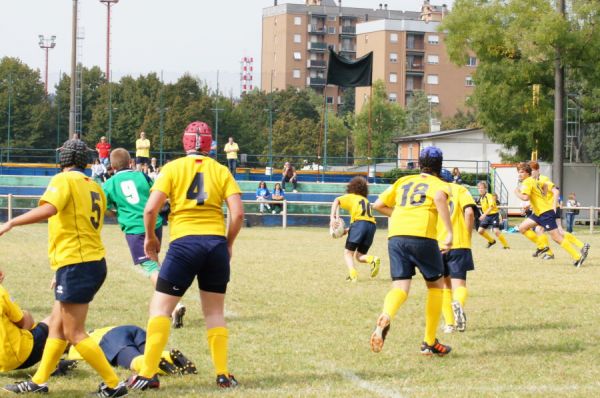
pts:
[298, 329]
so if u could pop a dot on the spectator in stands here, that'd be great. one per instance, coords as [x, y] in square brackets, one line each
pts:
[289, 175]
[142, 152]
[262, 195]
[571, 213]
[456, 177]
[213, 149]
[232, 149]
[279, 195]
[153, 169]
[98, 171]
[103, 149]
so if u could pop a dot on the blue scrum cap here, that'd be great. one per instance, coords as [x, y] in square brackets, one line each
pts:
[431, 152]
[445, 175]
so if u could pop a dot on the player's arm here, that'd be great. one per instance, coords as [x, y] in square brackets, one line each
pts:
[381, 207]
[555, 197]
[523, 196]
[335, 211]
[469, 214]
[236, 219]
[40, 213]
[151, 243]
[441, 203]
[26, 322]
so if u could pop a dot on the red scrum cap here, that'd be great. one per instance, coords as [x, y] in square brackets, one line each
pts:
[197, 136]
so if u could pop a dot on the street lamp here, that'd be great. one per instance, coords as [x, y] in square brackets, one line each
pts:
[46, 44]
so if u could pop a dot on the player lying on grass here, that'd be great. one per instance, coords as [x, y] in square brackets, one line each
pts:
[490, 217]
[414, 204]
[362, 226]
[74, 206]
[126, 194]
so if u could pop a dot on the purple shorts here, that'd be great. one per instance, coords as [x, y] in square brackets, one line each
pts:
[136, 245]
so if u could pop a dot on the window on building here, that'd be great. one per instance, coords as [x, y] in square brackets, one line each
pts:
[432, 79]
[472, 61]
[394, 37]
[297, 38]
[296, 73]
[433, 98]
[433, 59]
[393, 78]
[330, 100]
[331, 17]
[297, 55]
[433, 39]
[331, 30]
[393, 97]
[469, 81]
[393, 57]
[297, 20]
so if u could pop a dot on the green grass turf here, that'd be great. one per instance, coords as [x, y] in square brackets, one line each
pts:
[298, 329]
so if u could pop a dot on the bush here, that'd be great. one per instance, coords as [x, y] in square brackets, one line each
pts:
[467, 178]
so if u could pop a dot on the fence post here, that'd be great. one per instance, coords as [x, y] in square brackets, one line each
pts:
[591, 220]
[284, 218]
[9, 215]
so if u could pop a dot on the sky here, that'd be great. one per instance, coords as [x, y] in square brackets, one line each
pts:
[175, 37]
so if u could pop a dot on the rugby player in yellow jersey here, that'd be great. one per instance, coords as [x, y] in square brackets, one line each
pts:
[552, 195]
[490, 216]
[543, 213]
[459, 259]
[362, 226]
[200, 247]
[74, 205]
[414, 204]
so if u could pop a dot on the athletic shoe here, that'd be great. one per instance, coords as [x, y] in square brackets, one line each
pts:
[449, 329]
[548, 256]
[168, 367]
[177, 316]
[436, 349]
[351, 279]
[506, 247]
[23, 387]
[459, 316]
[185, 366]
[64, 367]
[490, 244]
[375, 264]
[105, 391]
[228, 381]
[380, 333]
[137, 382]
[540, 251]
[584, 253]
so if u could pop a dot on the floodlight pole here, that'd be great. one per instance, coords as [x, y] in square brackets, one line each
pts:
[46, 44]
[109, 4]
[73, 70]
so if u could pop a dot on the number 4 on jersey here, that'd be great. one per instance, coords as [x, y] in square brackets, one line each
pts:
[196, 190]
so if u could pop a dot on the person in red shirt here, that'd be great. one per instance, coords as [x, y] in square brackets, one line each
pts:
[103, 149]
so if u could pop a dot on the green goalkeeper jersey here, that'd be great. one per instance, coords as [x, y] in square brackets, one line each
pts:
[127, 193]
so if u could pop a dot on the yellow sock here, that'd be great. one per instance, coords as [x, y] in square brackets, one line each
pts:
[52, 352]
[573, 240]
[92, 354]
[460, 295]
[543, 241]
[158, 331]
[502, 240]
[532, 236]
[550, 252]
[447, 307]
[369, 259]
[572, 252]
[487, 237]
[433, 310]
[137, 363]
[217, 342]
[393, 300]
[353, 275]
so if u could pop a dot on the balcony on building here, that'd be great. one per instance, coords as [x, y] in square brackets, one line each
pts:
[317, 46]
[348, 49]
[316, 63]
[415, 43]
[414, 65]
[348, 31]
[316, 81]
[314, 14]
[317, 29]
[413, 83]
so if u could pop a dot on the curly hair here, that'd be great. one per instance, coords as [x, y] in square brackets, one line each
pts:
[359, 186]
[525, 167]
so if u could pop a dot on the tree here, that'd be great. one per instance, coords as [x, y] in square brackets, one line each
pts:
[418, 113]
[460, 120]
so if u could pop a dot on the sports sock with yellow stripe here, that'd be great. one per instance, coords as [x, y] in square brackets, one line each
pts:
[159, 328]
[502, 240]
[393, 300]
[573, 240]
[572, 252]
[487, 236]
[447, 307]
[217, 343]
[460, 295]
[532, 236]
[433, 309]
[92, 353]
[53, 350]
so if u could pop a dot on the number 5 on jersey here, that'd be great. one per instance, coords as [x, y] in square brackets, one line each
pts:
[196, 190]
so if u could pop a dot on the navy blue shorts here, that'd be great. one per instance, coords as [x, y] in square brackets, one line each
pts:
[123, 343]
[142, 160]
[457, 262]
[547, 220]
[40, 335]
[79, 283]
[136, 245]
[360, 236]
[558, 211]
[410, 252]
[492, 220]
[203, 256]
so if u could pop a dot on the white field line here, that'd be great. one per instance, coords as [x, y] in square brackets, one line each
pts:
[367, 385]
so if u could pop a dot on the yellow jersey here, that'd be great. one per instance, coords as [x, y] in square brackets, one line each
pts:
[233, 150]
[358, 206]
[539, 203]
[414, 212]
[74, 231]
[15, 343]
[196, 186]
[487, 201]
[542, 179]
[142, 147]
[96, 335]
[460, 198]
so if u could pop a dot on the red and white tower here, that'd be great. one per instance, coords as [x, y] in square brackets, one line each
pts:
[246, 75]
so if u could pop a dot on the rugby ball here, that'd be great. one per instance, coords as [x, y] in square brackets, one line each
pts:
[337, 229]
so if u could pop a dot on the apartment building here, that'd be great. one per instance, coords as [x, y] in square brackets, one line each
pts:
[409, 54]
